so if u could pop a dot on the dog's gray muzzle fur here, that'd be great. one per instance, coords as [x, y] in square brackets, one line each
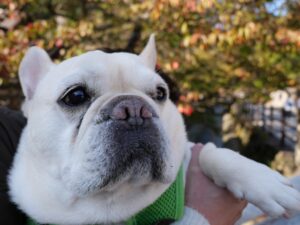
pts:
[128, 144]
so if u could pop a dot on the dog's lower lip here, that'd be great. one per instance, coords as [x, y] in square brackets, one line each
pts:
[141, 164]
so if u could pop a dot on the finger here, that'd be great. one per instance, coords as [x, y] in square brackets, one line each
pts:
[197, 146]
[243, 204]
[286, 215]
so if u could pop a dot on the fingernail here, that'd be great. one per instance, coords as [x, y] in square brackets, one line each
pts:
[286, 215]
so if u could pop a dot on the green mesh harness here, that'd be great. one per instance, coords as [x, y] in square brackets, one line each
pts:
[168, 207]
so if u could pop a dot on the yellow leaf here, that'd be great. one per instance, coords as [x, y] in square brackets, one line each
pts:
[184, 28]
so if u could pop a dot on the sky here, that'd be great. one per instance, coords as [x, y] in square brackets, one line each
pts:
[277, 7]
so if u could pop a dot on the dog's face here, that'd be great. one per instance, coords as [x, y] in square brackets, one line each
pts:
[101, 127]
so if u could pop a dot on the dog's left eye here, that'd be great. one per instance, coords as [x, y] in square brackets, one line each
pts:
[161, 94]
[75, 97]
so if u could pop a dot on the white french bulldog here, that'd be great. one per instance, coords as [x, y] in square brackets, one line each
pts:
[103, 141]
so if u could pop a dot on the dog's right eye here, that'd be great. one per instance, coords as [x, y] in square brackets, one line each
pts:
[75, 97]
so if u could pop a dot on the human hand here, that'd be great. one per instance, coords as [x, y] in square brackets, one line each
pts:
[218, 205]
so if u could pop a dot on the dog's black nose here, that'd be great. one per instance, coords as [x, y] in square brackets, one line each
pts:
[132, 109]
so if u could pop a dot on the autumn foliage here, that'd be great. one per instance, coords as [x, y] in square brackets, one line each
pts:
[214, 49]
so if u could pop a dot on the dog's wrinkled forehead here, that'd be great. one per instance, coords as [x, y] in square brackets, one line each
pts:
[101, 70]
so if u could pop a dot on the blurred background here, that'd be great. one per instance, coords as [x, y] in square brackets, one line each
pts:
[234, 65]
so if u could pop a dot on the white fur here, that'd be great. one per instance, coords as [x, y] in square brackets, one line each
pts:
[50, 143]
[33, 66]
[48, 146]
[148, 55]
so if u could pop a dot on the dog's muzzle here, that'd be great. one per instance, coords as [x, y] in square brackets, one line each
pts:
[127, 142]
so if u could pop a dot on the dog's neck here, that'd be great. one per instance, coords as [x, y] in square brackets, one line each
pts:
[169, 207]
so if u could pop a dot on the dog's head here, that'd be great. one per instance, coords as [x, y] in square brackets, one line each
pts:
[101, 133]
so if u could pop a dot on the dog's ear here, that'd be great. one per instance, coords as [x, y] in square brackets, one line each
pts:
[148, 55]
[34, 65]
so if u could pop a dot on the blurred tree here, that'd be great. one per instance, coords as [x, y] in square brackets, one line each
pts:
[213, 48]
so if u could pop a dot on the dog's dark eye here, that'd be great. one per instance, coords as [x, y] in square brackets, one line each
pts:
[161, 94]
[75, 97]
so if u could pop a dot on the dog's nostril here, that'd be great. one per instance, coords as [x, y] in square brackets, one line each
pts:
[134, 111]
[145, 113]
[127, 112]
[120, 113]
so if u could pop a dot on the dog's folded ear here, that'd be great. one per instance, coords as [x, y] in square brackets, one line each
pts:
[148, 55]
[34, 65]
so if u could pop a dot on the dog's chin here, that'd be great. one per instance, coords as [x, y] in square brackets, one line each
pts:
[133, 170]
[120, 155]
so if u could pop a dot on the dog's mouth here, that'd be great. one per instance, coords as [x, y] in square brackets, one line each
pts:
[134, 154]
